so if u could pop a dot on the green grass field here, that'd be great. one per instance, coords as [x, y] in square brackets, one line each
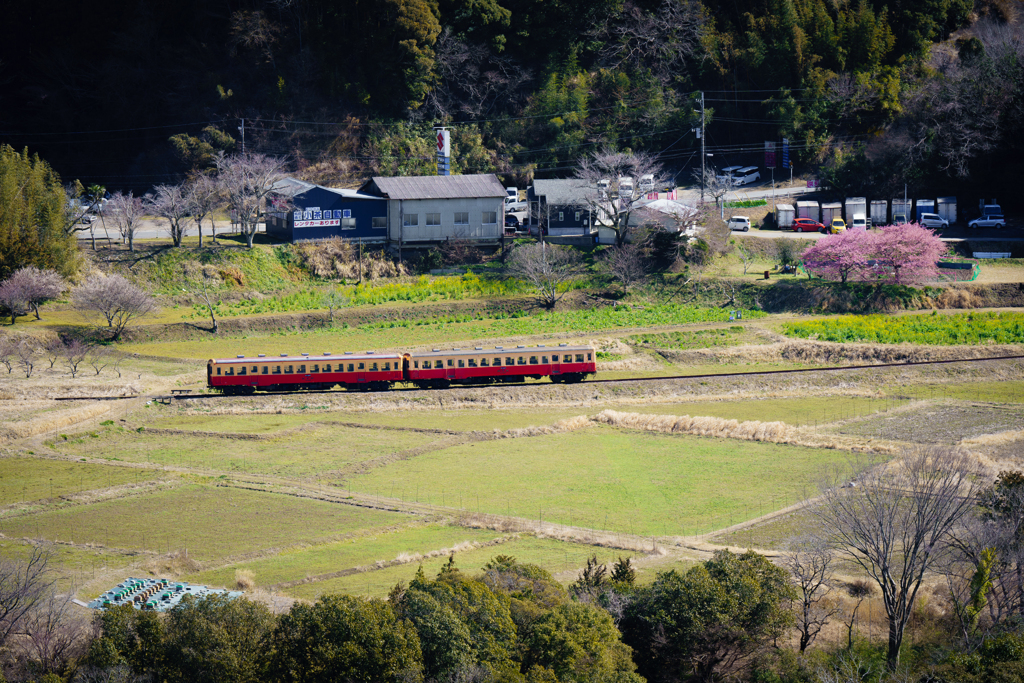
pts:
[555, 556]
[29, 479]
[306, 453]
[211, 522]
[382, 545]
[775, 534]
[633, 482]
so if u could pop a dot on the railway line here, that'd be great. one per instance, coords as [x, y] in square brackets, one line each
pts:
[754, 373]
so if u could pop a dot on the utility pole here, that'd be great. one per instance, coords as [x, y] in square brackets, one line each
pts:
[241, 129]
[702, 147]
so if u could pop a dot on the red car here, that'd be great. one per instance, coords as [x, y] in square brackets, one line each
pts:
[806, 225]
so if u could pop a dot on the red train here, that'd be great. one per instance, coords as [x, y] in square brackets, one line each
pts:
[371, 371]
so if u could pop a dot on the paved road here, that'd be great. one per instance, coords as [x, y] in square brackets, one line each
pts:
[151, 229]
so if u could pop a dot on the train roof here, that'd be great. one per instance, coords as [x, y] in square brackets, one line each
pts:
[477, 350]
[324, 357]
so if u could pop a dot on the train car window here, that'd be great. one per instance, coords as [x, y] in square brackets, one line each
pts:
[362, 366]
[229, 371]
[471, 362]
[255, 370]
[327, 368]
[533, 360]
[373, 367]
[497, 362]
[485, 362]
[387, 366]
[316, 367]
[522, 360]
[277, 370]
[579, 357]
[543, 360]
[438, 364]
[462, 363]
[510, 361]
[351, 367]
[302, 369]
[241, 370]
[218, 371]
[289, 370]
[451, 363]
[416, 365]
[264, 370]
[589, 357]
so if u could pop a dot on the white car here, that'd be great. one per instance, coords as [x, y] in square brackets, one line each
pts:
[933, 221]
[995, 221]
[741, 223]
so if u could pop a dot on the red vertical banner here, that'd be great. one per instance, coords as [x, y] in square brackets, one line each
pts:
[769, 154]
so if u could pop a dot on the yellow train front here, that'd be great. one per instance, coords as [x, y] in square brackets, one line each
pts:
[370, 371]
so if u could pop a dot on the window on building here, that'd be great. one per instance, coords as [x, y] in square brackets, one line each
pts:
[561, 216]
[379, 222]
[462, 218]
[348, 223]
[490, 217]
[577, 216]
[411, 220]
[433, 219]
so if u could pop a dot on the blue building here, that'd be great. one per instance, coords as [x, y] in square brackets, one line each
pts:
[304, 211]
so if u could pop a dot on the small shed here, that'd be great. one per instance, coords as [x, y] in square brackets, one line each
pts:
[902, 207]
[808, 209]
[924, 206]
[855, 205]
[784, 215]
[879, 212]
[947, 209]
[831, 210]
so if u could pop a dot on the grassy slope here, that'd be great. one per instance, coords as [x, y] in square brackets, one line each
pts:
[28, 479]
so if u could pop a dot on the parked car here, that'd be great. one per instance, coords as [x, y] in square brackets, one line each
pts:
[511, 221]
[807, 225]
[860, 222]
[87, 218]
[933, 221]
[899, 219]
[837, 226]
[996, 221]
[741, 223]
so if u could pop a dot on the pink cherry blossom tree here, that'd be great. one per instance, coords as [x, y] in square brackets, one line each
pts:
[839, 257]
[906, 254]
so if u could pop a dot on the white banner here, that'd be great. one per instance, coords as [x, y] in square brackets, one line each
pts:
[318, 224]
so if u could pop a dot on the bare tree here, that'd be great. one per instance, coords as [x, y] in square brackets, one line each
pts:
[8, 349]
[27, 351]
[811, 567]
[119, 357]
[115, 299]
[548, 267]
[332, 299]
[712, 184]
[198, 284]
[52, 349]
[894, 520]
[99, 358]
[24, 584]
[664, 41]
[171, 203]
[29, 288]
[126, 210]
[246, 180]
[628, 264]
[55, 635]
[73, 354]
[745, 254]
[859, 590]
[202, 193]
[609, 196]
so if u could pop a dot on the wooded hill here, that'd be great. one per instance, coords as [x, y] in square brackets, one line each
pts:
[871, 94]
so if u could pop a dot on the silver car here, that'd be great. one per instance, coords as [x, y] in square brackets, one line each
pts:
[933, 221]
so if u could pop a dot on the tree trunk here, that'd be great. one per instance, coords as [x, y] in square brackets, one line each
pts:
[200, 225]
[131, 242]
[892, 655]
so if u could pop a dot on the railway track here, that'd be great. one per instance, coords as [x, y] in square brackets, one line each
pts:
[754, 373]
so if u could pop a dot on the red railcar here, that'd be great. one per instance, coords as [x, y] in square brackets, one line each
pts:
[378, 371]
[439, 369]
[356, 372]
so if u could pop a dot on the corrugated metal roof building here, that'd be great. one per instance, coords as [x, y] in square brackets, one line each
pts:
[562, 206]
[429, 209]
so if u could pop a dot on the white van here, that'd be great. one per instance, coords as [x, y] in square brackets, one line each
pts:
[646, 183]
[746, 175]
[860, 222]
[626, 187]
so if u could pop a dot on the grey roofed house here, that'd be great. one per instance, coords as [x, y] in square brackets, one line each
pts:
[435, 187]
[563, 192]
[562, 207]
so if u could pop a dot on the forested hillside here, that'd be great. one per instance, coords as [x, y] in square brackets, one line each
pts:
[871, 93]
